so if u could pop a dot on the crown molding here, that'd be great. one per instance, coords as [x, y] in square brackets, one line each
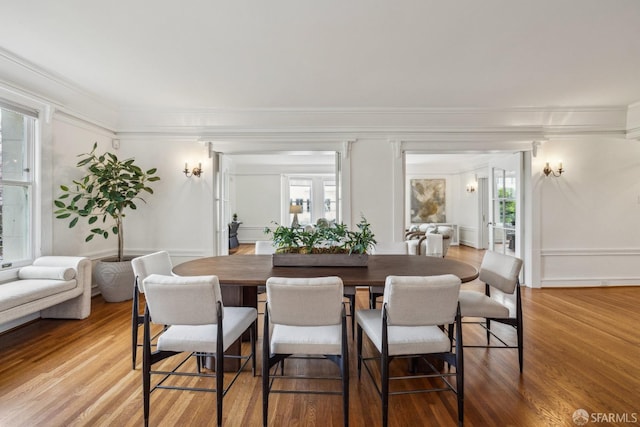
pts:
[62, 95]
[519, 122]
[58, 93]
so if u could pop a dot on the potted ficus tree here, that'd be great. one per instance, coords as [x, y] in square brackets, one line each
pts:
[110, 187]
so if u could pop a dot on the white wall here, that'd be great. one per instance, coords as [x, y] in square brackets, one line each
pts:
[588, 217]
[468, 210]
[372, 190]
[584, 227]
[177, 217]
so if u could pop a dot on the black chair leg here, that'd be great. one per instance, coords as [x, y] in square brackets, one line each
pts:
[519, 333]
[265, 368]
[488, 324]
[384, 365]
[359, 347]
[344, 367]
[352, 311]
[135, 321]
[253, 333]
[219, 386]
[146, 370]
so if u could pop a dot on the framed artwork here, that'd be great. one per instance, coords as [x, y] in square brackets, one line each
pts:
[428, 200]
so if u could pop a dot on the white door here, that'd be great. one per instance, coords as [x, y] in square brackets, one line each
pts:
[483, 209]
[223, 205]
[504, 213]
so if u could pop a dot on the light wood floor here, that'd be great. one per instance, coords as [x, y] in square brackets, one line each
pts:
[582, 350]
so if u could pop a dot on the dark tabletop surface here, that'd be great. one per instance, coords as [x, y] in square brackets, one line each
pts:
[254, 270]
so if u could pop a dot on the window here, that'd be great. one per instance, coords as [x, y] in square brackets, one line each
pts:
[316, 195]
[17, 135]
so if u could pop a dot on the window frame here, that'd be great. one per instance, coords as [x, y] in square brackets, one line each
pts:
[317, 186]
[28, 184]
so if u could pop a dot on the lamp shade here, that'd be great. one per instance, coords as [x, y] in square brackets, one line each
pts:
[295, 209]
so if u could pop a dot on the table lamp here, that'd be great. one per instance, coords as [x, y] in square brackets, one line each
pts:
[295, 210]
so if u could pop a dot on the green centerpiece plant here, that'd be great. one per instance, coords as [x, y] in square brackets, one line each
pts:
[323, 239]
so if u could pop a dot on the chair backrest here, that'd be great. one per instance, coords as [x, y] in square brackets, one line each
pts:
[421, 300]
[264, 247]
[155, 263]
[313, 301]
[500, 271]
[391, 248]
[176, 300]
[434, 245]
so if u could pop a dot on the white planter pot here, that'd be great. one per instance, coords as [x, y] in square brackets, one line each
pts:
[114, 279]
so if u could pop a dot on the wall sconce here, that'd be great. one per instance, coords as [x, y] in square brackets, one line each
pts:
[548, 171]
[471, 188]
[295, 210]
[194, 172]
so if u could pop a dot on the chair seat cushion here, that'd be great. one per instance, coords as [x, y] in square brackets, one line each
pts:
[476, 304]
[403, 339]
[203, 338]
[287, 339]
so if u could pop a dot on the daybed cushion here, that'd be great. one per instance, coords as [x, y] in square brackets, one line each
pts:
[53, 273]
[21, 292]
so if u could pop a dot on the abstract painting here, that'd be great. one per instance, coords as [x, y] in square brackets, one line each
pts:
[428, 200]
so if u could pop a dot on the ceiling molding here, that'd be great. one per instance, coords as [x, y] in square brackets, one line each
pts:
[22, 76]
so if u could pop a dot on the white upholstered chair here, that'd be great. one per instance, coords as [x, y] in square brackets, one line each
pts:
[418, 244]
[501, 302]
[408, 326]
[385, 248]
[264, 247]
[434, 245]
[143, 266]
[304, 317]
[197, 324]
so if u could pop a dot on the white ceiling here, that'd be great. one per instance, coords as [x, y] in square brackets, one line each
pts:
[334, 53]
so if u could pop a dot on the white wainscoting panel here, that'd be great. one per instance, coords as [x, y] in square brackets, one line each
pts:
[590, 267]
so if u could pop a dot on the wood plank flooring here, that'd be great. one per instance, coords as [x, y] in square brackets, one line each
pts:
[582, 350]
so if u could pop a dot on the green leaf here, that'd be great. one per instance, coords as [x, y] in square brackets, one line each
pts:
[73, 222]
[152, 171]
[89, 238]
[64, 188]
[63, 216]
[93, 219]
[114, 230]
[59, 204]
